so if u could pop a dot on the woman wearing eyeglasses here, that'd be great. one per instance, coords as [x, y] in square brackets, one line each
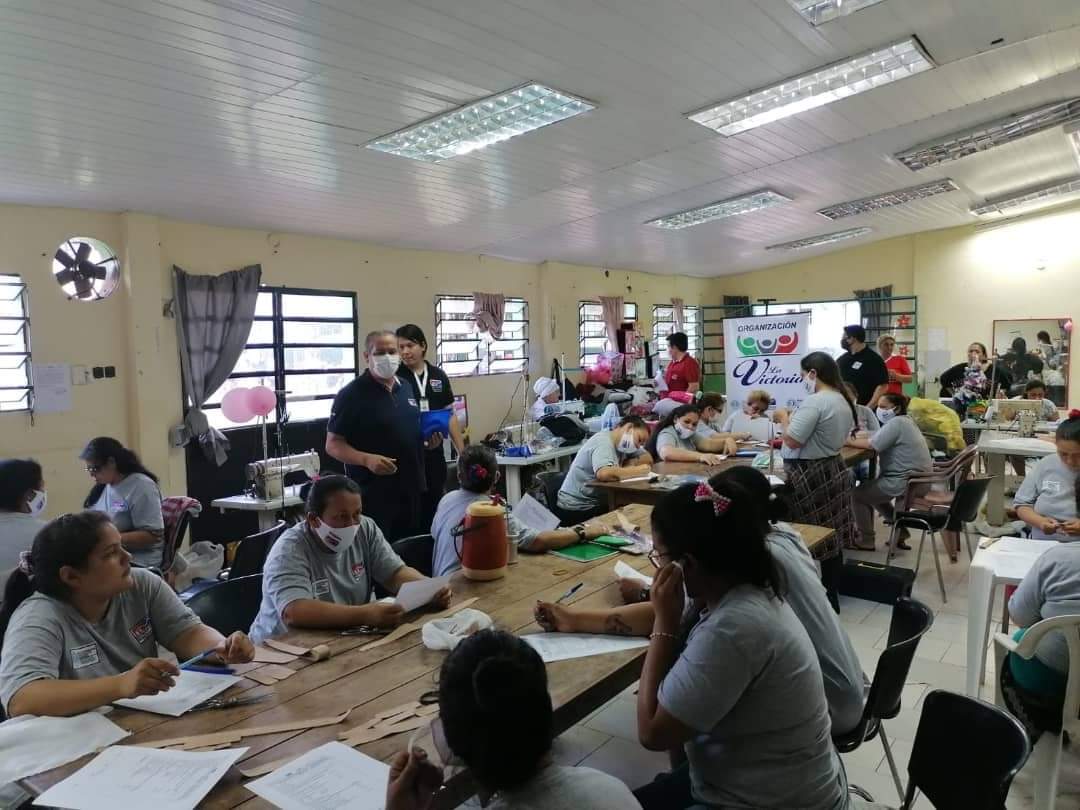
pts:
[128, 493]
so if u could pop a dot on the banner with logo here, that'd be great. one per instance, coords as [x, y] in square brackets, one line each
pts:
[764, 352]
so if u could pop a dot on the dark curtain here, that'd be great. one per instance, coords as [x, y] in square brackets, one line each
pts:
[876, 311]
[213, 318]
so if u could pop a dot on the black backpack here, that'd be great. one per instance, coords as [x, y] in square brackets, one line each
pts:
[566, 426]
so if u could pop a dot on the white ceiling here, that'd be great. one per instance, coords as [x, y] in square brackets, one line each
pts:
[253, 112]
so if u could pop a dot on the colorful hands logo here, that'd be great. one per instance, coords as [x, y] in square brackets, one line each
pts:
[761, 347]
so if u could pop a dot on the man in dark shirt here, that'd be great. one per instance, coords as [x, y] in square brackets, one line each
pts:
[862, 366]
[374, 430]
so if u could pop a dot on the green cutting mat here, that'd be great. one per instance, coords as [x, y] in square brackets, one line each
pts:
[585, 552]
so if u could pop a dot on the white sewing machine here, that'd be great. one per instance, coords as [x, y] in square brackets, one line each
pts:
[268, 477]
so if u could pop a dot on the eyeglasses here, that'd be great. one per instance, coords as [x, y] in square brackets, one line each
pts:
[655, 558]
[93, 468]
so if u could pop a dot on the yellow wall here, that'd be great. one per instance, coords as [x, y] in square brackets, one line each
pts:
[128, 330]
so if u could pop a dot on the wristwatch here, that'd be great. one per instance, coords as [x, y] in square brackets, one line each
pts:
[644, 595]
[580, 531]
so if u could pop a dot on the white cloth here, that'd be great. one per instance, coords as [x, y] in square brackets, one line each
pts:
[545, 386]
[445, 634]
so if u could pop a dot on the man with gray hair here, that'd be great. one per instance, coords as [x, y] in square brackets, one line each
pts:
[374, 430]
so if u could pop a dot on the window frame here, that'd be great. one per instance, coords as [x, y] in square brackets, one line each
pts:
[793, 307]
[630, 313]
[483, 347]
[23, 295]
[279, 348]
[694, 337]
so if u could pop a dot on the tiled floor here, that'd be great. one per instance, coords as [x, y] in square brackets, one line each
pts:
[608, 740]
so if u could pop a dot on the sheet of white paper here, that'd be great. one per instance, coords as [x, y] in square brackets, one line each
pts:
[129, 776]
[534, 514]
[191, 689]
[332, 775]
[776, 481]
[52, 387]
[636, 478]
[419, 592]
[30, 745]
[937, 340]
[561, 646]
[624, 571]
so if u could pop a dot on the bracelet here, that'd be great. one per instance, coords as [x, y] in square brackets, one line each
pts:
[663, 635]
[579, 530]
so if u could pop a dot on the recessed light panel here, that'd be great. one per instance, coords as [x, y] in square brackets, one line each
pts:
[745, 204]
[824, 239]
[817, 12]
[1039, 197]
[888, 199]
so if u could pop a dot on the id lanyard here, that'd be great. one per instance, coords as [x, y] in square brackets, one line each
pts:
[421, 383]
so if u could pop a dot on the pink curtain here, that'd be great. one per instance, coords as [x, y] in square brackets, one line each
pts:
[677, 314]
[488, 310]
[612, 309]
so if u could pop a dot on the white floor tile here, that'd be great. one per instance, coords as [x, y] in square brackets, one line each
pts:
[628, 761]
[575, 744]
[617, 719]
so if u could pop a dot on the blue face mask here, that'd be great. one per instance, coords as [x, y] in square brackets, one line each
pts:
[885, 414]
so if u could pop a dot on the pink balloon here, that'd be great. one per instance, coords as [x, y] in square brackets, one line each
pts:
[235, 407]
[261, 400]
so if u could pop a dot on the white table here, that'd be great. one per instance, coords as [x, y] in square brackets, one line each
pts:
[1006, 562]
[1003, 427]
[994, 446]
[267, 510]
[513, 465]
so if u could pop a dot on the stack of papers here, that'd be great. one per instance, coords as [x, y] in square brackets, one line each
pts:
[30, 745]
[563, 646]
[332, 775]
[191, 689]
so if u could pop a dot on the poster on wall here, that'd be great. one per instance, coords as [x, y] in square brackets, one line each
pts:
[764, 352]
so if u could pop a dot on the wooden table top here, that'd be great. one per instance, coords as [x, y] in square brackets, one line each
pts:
[400, 672]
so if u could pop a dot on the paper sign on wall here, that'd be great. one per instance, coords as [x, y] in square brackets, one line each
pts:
[764, 352]
[52, 387]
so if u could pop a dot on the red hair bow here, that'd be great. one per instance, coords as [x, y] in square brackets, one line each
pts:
[705, 492]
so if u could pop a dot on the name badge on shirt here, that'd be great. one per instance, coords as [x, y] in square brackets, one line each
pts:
[85, 656]
[424, 407]
[436, 386]
[857, 365]
[321, 587]
[142, 631]
[358, 572]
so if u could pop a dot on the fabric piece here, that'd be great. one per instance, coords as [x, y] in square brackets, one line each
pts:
[451, 514]
[213, 319]
[17, 533]
[1050, 489]
[821, 424]
[558, 787]
[173, 508]
[50, 639]
[489, 310]
[821, 496]
[678, 315]
[902, 452]
[597, 453]
[446, 634]
[865, 370]
[299, 567]
[134, 504]
[611, 308]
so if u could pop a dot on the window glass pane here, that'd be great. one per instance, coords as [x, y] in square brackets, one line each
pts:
[302, 385]
[461, 350]
[261, 332]
[15, 342]
[460, 368]
[316, 306]
[315, 332]
[238, 382]
[310, 409]
[13, 377]
[316, 358]
[14, 400]
[264, 305]
[261, 360]
[217, 419]
[11, 302]
[827, 321]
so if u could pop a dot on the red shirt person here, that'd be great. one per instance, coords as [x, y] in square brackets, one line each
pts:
[897, 365]
[683, 372]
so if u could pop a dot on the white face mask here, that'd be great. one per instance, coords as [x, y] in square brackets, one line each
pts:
[38, 502]
[627, 446]
[810, 383]
[885, 414]
[336, 540]
[683, 431]
[384, 366]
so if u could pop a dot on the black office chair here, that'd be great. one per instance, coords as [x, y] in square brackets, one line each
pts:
[966, 753]
[551, 483]
[910, 621]
[416, 552]
[252, 551]
[954, 516]
[230, 605]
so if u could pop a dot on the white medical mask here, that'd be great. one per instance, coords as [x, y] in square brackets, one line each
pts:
[810, 383]
[627, 445]
[885, 414]
[336, 540]
[37, 502]
[683, 431]
[384, 366]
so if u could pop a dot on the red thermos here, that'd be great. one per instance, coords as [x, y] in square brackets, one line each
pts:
[485, 549]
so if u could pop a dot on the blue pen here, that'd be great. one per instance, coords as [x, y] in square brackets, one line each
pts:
[197, 658]
[211, 670]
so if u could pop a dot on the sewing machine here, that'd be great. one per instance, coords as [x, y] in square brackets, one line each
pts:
[268, 477]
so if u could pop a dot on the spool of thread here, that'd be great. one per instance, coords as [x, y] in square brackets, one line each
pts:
[319, 652]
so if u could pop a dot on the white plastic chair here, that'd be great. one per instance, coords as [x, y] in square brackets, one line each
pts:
[1046, 758]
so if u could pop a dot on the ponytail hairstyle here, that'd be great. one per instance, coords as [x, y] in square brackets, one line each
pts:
[1069, 431]
[828, 372]
[495, 708]
[666, 422]
[477, 469]
[17, 477]
[899, 401]
[67, 541]
[723, 526]
[99, 451]
[317, 492]
[773, 501]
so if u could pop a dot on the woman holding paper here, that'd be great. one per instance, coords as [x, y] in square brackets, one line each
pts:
[478, 473]
[321, 573]
[81, 627]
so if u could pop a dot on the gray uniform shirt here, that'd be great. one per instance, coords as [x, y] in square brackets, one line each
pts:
[135, 504]
[669, 437]
[450, 514]
[821, 425]
[598, 452]
[300, 567]
[748, 682]
[1049, 489]
[902, 452]
[1051, 588]
[17, 533]
[558, 787]
[49, 639]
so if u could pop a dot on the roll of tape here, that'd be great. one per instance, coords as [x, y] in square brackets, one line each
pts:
[319, 653]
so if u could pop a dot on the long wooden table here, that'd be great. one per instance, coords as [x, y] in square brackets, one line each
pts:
[398, 673]
[622, 493]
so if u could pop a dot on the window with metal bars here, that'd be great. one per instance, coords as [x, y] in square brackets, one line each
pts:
[592, 333]
[16, 382]
[664, 324]
[303, 343]
[461, 351]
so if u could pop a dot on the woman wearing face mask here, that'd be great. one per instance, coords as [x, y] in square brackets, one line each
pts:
[478, 473]
[976, 379]
[1048, 499]
[711, 423]
[320, 573]
[814, 435]
[676, 439]
[495, 718]
[610, 455]
[22, 503]
[753, 418]
[902, 453]
[81, 628]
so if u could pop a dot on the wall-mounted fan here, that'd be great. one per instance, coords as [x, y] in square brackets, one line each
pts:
[86, 269]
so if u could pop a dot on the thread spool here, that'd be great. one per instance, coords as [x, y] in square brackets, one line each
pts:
[319, 652]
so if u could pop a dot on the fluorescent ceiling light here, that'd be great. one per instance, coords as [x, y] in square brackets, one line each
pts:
[483, 123]
[888, 199]
[745, 204]
[817, 12]
[990, 134]
[824, 239]
[1040, 197]
[816, 88]
[1073, 132]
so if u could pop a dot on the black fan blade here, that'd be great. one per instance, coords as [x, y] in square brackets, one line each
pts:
[83, 252]
[83, 287]
[91, 270]
[66, 276]
[64, 258]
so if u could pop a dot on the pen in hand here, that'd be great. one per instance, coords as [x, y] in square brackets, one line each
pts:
[569, 593]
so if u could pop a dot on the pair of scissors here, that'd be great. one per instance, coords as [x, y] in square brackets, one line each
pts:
[363, 630]
[228, 703]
